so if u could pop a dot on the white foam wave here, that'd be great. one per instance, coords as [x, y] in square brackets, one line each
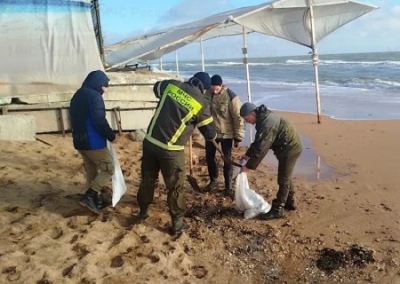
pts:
[337, 62]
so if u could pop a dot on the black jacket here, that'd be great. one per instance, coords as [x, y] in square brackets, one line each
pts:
[90, 129]
[181, 108]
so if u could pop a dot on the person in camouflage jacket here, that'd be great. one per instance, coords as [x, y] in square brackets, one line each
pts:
[225, 109]
[276, 133]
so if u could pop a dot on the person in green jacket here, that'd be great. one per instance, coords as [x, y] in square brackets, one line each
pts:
[276, 133]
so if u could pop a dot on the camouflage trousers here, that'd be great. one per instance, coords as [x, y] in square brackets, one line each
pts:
[172, 166]
[98, 166]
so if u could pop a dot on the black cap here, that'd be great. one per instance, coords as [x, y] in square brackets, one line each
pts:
[204, 79]
[216, 80]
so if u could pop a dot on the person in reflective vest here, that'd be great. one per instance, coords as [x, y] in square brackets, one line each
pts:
[182, 107]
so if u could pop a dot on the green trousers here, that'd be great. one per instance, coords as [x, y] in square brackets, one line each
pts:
[172, 166]
[99, 167]
[285, 170]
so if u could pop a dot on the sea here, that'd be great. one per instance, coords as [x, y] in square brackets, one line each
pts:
[353, 86]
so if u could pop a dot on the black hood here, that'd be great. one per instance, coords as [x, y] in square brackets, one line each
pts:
[95, 80]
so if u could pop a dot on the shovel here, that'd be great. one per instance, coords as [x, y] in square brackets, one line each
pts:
[226, 160]
[190, 178]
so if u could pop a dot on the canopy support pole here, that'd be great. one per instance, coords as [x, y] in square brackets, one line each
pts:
[202, 55]
[315, 62]
[246, 64]
[99, 32]
[160, 63]
[177, 63]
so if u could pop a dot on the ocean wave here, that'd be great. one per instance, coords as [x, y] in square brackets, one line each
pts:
[337, 62]
[288, 62]
[354, 83]
[366, 84]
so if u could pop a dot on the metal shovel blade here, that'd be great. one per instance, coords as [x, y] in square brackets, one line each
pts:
[193, 183]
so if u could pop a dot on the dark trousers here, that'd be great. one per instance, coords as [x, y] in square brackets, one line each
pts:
[172, 166]
[226, 145]
[285, 170]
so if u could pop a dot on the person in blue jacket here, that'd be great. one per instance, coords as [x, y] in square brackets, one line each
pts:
[90, 132]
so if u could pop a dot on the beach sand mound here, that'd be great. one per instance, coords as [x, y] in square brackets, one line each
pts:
[46, 237]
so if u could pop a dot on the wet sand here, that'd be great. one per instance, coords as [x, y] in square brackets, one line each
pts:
[46, 237]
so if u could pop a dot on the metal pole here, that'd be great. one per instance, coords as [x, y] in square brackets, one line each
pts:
[62, 121]
[315, 62]
[160, 64]
[177, 63]
[202, 55]
[246, 64]
[100, 34]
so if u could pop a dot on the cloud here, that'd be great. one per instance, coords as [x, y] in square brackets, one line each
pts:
[385, 20]
[189, 10]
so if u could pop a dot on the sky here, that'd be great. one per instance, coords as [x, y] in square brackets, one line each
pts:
[378, 31]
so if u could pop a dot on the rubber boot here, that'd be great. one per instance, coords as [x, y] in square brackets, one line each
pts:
[213, 184]
[178, 226]
[90, 200]
[228, 184]
[143, 213]
[101, 202]
[291, 202]
[276, 212]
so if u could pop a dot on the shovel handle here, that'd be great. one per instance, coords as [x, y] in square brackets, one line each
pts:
[226, 160]
[190, 156]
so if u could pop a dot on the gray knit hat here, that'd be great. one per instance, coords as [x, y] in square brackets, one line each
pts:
[247, 108]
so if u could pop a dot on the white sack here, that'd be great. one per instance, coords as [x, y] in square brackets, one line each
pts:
[118, 181]
[247, 200]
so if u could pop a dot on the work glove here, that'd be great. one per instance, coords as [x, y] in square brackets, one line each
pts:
[236, 142]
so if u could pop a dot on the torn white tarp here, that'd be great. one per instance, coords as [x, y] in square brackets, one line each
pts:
[46, 46]
[287, 19]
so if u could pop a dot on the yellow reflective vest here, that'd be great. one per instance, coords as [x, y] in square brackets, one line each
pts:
[181, 108]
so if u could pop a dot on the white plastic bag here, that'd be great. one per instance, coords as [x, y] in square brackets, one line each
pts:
[118, 180]
[247, 200]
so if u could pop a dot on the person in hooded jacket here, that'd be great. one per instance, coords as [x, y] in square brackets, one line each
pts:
[277, 133]
[90, 132]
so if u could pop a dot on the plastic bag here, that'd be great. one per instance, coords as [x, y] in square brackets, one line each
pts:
[118, 180]
[247, 200]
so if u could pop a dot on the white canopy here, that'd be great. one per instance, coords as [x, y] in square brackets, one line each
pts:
[287, 19]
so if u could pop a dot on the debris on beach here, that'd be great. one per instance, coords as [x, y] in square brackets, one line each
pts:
[356, 256]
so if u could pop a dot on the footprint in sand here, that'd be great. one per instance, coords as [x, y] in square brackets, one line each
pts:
[154, 258]
[117, 261]
[12, 273]
[67, 271]
[144, 250]
[117, 240]
[80, 251]
[74, 239]
[56, 233]
[12, 209]
[199, 271]
[144, 239]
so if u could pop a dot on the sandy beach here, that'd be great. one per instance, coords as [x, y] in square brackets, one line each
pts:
[46, 237]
